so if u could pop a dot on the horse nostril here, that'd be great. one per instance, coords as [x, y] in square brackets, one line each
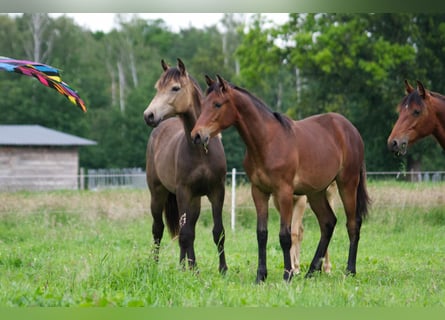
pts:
[393, 145]
[197, 139]
[149, 118]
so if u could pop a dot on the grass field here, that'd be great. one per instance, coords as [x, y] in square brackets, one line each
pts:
[72, 248]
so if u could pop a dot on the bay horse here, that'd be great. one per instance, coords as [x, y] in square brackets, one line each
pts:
[180, 172]
[297, 229]
[421, 113]
[285, 158]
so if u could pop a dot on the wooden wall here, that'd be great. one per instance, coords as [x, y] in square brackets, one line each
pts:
[38, 168]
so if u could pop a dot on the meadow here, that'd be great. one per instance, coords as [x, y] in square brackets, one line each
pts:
[93, 248]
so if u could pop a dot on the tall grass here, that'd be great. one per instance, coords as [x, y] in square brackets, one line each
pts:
[94, 249]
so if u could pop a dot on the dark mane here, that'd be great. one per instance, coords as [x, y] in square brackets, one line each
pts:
[285, 121]
[438, 95]
[282, 119]
[417, 99]
[410, 98]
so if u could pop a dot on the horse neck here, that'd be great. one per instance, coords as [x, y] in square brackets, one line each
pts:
[439, 130]
[251, 125]
[190, 117]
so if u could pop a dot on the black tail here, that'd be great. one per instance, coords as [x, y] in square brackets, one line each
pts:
[172, 215]
[363, 199]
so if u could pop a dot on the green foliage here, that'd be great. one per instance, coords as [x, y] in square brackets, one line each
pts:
[353, 64]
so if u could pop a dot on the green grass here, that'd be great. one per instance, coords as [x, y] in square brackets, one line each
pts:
[94, 249]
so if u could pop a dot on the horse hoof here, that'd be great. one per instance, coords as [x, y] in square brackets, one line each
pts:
[310, 274]
[287, 276]
[350, 273]
[223, 270]
[261, 278]
[296, 271]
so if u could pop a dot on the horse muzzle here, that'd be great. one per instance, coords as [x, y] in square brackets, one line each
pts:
[199, 138]
[398, 146]
[150, 119]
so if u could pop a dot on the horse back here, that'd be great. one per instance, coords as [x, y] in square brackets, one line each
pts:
[330, 128]
[326, 145]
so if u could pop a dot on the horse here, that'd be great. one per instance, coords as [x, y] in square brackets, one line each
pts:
[297, 229]
[284, 158]
[178, 171]
[421, 113]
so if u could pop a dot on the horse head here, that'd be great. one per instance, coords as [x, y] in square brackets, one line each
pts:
[175, 93]
[218, 110]
[414, 120]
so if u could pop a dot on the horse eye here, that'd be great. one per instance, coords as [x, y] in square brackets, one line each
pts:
[217, 105]
[176, 88]
[416, 113]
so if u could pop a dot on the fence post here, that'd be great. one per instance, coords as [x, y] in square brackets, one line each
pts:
[82, 179]
[233, 198]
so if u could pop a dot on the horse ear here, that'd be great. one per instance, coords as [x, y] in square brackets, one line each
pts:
[222, 82]
[164, 65]
[408, 88]
[181, 67]
[209, 80]
[421, 89]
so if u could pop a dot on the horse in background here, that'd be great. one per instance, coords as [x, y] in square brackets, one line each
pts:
[297, 229]
[421, 113]
[286, 158]
[180, 172]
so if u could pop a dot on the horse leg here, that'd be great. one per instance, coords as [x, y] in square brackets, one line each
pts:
[327, 222]
[189, 209]
[157, 207]
[217, 201]
[330, 193]
[261, 200]
[285, 200]
[348, 195]
[297, 231]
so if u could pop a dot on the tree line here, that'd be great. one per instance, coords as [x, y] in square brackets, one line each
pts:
[354, 64]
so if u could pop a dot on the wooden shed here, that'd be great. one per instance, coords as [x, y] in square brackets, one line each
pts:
[33, 157]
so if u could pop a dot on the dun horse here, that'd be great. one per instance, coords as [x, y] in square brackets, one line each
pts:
[421, 113]
[180, 172]
[285, 158]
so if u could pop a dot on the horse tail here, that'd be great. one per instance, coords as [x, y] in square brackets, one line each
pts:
[172, 214]
[363, 199]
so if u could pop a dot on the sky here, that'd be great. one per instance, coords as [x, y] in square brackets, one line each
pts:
[176, 21]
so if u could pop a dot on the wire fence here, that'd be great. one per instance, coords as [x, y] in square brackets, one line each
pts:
[98, 179]
[237, 194]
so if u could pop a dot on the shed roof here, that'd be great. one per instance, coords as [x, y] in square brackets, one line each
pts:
[36, 135]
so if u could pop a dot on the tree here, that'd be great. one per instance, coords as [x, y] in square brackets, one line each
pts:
[355, 64]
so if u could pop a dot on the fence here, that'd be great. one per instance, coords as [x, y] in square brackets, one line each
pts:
[135, 178]
[113, 178]
[96, 179]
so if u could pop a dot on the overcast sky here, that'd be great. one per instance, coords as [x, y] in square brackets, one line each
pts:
[176, 21]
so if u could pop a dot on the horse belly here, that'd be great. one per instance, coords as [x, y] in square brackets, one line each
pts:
[161, 166]
[315, 171]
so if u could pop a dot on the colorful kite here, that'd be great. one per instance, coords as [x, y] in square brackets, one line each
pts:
[47, 75]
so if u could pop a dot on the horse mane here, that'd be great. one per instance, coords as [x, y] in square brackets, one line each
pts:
[281, 118]
[437, 95]
[416, 98]
[412, 97]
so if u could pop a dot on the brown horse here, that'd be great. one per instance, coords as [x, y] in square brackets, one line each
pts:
[297, 229]
[421, 113]
[180, 172]
[286, 158]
